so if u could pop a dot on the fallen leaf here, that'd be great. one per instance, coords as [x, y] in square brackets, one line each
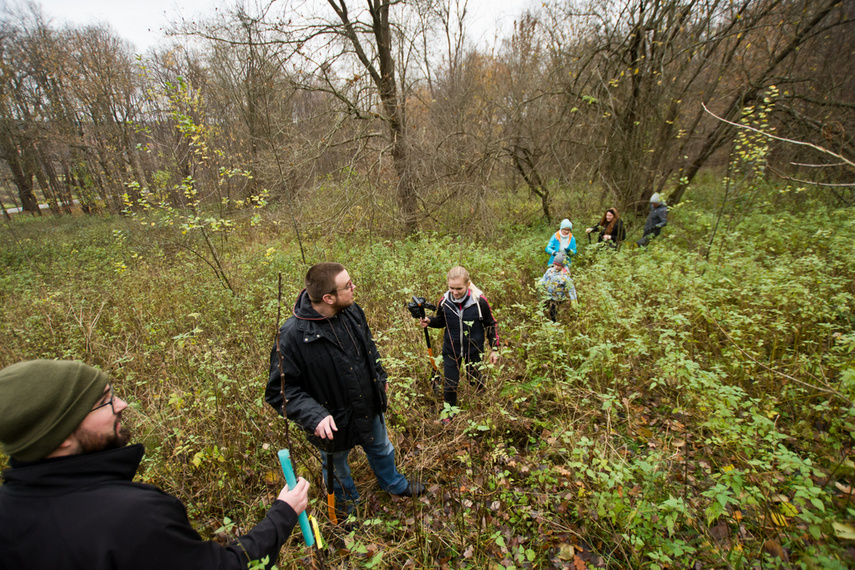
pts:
[720, 531]
[778, 519]
[271, 478]
[774, 548]
[843, 530]
[566, 552]
[789, 510]
[578, 563]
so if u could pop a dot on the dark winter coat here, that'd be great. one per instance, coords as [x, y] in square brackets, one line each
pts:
[331, 367]
[467, 325]
[656, 220]
[618, 232]
[84, 512]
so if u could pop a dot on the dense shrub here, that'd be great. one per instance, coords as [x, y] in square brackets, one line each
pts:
[695, 411]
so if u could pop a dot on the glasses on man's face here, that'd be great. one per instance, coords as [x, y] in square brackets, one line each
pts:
[349, 285]
[107, 403]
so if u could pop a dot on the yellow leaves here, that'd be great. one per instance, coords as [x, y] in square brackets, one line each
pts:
[789, 510]
[778, 519]
[271, 479]
[198, 458]
[644, 432]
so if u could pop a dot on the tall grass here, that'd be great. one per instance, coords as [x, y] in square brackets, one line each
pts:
[696, 409]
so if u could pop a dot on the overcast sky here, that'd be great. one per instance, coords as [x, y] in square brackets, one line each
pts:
[142, 21]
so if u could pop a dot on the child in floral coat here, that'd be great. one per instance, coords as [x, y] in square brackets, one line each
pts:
[558, 286]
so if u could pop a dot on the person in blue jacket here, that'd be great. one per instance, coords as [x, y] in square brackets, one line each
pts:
[562, 242]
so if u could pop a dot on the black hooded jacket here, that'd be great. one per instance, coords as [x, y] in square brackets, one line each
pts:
[467, 325]
[656, 219]
[84, 512]
[330, 366]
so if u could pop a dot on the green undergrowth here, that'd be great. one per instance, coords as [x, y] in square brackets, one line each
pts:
[695, 411]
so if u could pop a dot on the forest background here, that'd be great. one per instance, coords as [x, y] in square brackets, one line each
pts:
[697, 409]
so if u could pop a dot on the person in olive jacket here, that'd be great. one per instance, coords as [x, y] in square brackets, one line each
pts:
[328, 367]
[69, 501]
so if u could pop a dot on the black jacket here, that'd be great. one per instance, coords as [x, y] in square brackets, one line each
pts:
[618, 232]
[84, 512]
[467, 325]
[324, 361]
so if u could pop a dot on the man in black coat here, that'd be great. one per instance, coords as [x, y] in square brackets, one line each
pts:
[328, 367]
[69, 501]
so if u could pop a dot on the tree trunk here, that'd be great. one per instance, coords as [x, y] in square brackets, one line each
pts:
[724, 132]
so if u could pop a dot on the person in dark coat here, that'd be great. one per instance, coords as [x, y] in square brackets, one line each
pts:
[69, 501]
[468, 321]
[656, 220]
[327, 366]
[610, 228]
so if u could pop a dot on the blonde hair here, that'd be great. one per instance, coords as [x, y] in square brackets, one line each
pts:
[459, 272]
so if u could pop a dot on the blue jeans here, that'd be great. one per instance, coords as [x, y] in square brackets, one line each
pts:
[381, 458]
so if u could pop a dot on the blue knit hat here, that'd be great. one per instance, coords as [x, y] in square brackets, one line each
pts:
[565, 223]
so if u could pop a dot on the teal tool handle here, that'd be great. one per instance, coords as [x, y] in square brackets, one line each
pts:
[288, 470]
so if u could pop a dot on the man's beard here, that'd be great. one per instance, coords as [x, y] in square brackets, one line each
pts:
[90, 442]
[339, 306]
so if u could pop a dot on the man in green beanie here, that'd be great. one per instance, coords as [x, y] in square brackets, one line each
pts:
[69, 500]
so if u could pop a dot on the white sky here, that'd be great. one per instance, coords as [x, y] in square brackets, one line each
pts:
[143, 21]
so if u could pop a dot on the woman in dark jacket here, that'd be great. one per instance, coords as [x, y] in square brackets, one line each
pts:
[468, 320]
[610, 228]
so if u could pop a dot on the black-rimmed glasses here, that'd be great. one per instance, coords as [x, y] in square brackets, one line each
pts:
[107, 403]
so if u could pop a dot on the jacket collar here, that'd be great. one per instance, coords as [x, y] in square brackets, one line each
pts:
[47, 476]
[468, 300]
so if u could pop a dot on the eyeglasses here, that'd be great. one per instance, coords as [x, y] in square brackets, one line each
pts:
[107, 403]
[349, 285]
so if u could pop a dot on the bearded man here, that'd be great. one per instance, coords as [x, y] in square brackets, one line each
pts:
[69, 500]
[328, 367]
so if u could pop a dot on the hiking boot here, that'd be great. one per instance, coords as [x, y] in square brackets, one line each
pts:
[414, 489]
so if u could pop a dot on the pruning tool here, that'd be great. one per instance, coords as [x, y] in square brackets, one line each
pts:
[330, 486]
[417, 309]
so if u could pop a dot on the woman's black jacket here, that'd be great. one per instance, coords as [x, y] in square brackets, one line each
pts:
[467, 325]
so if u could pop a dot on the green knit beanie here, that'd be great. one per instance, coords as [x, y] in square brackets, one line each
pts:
[42, 402]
